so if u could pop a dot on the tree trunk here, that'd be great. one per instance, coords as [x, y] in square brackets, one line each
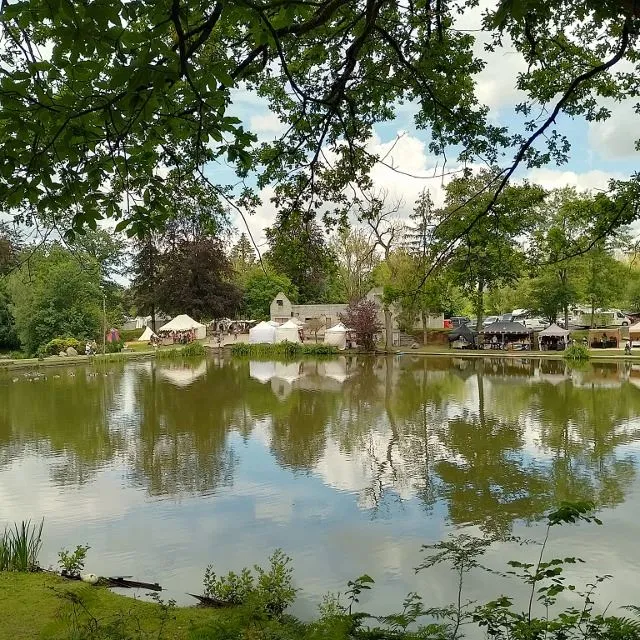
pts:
[153, 318]
[566, 317]
[388, 327]
[480, 305]
[593, 314]
[423, 314]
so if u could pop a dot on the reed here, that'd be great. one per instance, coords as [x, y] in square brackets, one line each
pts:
[20, 546]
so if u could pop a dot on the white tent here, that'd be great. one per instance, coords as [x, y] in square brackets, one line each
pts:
[288, 332]
[336, 336]
[184, 323]
[182, 375]
[336, 369]
[273, 323]
[634, 334]
[262, 371]
[146, 336]
[262, 333]
[288, 372]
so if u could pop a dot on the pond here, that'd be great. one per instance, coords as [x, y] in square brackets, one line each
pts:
[349, 465]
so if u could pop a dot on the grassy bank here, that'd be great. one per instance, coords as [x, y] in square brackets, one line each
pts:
[43, 605]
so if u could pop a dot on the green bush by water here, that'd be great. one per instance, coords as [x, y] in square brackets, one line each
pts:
[193, 350]
[55, 346]
[577, 352]
[20, 546]
[286, 349]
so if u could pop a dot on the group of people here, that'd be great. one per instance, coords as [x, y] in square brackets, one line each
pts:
[181, 337]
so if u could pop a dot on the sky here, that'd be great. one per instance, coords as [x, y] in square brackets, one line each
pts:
[600, 150]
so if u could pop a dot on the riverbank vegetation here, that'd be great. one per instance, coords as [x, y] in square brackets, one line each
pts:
[282, 349]
[253, 604]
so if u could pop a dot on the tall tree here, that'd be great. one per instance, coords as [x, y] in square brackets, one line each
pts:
[261, 288]
[56, 295]
[602, 278]
[146, 276]
[484, 250]
[196, 279]
[355, 252]
[243, 256]
[297, 248]
[568, 229]
[380, 213]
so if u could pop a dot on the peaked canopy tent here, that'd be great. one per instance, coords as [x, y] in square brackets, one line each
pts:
[507, 335]
[262, 333]
[634, 334]
[288, 332]
[147, 335]
[183, 322]
[464, 337]
[336, 336]
[553, 338]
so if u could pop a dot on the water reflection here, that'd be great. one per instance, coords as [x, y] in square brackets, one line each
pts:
[406, 441]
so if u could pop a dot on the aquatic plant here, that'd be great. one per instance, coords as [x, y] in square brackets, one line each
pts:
[20, 546]
[283, 349]
[194, 349]
[577, 352]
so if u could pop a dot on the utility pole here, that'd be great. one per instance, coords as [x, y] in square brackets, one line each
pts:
[104, 323]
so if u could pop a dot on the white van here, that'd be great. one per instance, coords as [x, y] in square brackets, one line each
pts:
[601, 318]
[528, 320]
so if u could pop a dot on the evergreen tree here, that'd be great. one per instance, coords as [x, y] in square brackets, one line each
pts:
[297, 248]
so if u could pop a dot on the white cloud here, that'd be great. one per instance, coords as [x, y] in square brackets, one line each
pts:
[266, 125]
[554, 178]
[616, 137]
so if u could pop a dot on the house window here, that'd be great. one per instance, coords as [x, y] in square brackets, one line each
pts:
[328, 322]
[280, 302]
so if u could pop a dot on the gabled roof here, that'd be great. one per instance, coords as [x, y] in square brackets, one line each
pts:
[514, 328]
[463, 331]
[554, 331]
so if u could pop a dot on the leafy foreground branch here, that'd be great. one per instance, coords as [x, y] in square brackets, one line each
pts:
[255, 603]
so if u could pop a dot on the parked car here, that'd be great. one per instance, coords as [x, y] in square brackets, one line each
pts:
[458, 321]
[490, 320]
[537, 324]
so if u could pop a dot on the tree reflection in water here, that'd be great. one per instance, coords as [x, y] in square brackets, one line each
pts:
[491, 440]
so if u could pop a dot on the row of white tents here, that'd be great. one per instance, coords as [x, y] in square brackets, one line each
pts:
[273, 333]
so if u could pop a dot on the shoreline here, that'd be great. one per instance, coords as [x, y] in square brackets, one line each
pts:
[56, 361]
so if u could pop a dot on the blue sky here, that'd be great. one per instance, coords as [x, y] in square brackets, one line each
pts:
[600, 151]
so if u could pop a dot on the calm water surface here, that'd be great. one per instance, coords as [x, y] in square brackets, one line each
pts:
[349, 465]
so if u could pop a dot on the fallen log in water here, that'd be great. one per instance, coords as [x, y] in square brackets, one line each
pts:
[119, 581]
[122, 582]
[207, 601]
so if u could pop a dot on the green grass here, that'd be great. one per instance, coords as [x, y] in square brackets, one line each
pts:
[37, 605]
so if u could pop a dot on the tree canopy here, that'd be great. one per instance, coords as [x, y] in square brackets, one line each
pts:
[93, 124]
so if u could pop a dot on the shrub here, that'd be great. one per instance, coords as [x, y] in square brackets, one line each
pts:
[130, 335]
[194, 349]
[268, 591]
[55, 346]
[115, 346]
[72, 564]
[577, 352]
